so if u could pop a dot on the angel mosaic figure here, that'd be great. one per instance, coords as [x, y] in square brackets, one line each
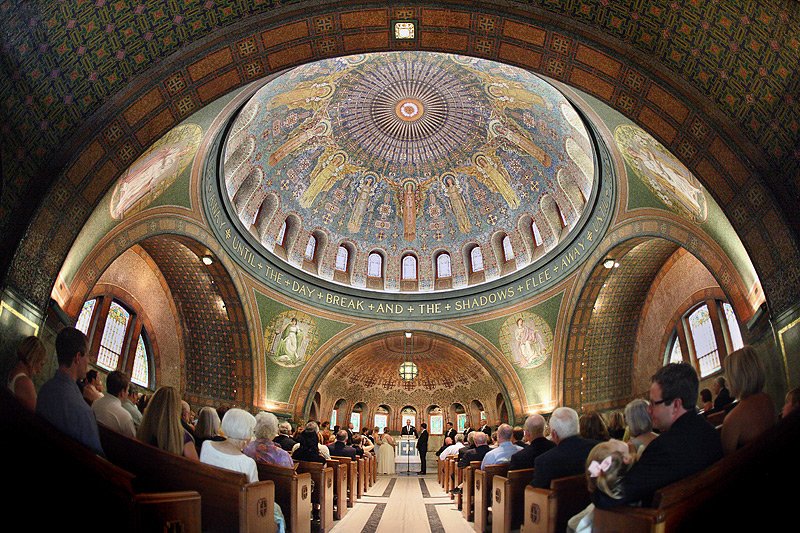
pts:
[291, 339]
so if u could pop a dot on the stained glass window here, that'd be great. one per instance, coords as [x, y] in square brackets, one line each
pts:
[461, 422]
[675, 354]
[508, 251]
[281, 235]
[733, 326]
[375, 265]
[476, 259]
[409, 267]
[355, 418]
[333, 417]
[705, 345]
[381, 421]
[341, 259]
[141, 370]
[113, 337]
[443, 266]
[537, 237]
[85, 318]
[311, 248]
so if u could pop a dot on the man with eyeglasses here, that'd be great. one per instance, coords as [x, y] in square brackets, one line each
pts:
[686, 445]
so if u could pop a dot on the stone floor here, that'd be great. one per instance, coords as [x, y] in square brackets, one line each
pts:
[404, 503]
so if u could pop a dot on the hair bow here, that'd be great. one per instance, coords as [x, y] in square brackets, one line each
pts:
[596, 468]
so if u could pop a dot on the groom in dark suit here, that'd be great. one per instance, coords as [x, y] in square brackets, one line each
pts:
[422, 446]
[451, 432]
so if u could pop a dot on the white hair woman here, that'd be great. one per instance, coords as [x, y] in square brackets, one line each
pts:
[262, 449]
[237, 425]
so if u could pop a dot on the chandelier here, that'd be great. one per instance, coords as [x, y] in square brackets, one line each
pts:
[408, 370]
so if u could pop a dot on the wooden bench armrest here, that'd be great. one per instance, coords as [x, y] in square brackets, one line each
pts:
[167, 511]
[628, 520]
[257, 507]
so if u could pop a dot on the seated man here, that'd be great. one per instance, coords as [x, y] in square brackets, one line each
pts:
[537, 444]
[129, 404]
[108, 409]
[568, 458]
[340, 448]
[478, 452]
[687, 443]
[453, 448]
[446, 444]
[284, 439]
[505, 447]
[60, 401]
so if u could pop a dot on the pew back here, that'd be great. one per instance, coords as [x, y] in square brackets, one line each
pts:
[229, 502]
[322, 494]
[508, 499]
[483, 485]
[339, 488]
[292, 493]
[548, 510]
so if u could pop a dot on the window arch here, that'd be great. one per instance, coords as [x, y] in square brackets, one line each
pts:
[710, 330]
[375, 265]
[537, 237]
[279, 240]
[476, 259]
[341, 258]
[508, 251]
[311, 248]
[443, 266]
[409, 268]
[117, 333]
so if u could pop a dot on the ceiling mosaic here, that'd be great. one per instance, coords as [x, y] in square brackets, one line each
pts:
[408, 151]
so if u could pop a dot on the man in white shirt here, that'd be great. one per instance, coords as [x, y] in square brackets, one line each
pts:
[453, 449]
[108, 408]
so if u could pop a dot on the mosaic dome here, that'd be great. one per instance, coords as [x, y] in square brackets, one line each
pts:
[408, 154]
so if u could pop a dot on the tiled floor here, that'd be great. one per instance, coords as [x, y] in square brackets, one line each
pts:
[404, 503]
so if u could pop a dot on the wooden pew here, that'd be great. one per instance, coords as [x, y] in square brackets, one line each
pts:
[483, 486]
[361, 486]
[322, 475]
[548, 510]
[459, 483]
[509, 499]
[468, 491]
[229, 502]
[339, 488]
[69, 476]
[292, 493]
[440, 465]
[352, 477]
[374, 460]
[716, 418]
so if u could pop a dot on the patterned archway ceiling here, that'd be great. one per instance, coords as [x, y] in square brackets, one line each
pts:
[407, 152]
[440, 364]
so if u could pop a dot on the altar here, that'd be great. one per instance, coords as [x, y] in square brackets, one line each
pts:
[406, 459]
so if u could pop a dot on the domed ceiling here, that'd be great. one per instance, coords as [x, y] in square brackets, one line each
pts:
[409, 153]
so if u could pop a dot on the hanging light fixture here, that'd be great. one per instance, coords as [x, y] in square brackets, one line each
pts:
[408, 370]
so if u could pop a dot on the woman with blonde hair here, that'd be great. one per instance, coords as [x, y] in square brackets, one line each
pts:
[161, 424]
[30, 360]
[755, 412]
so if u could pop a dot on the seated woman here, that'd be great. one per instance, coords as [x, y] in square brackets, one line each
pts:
[207, 428]
[30, 360]
[755, 412]
[161, 424]
[616, 425]
[592, 426]
[308, 447]
[708, 404]
[262, 449]
[238, 426]
[640, 425]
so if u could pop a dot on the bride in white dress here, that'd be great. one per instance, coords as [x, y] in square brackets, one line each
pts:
[385, 453]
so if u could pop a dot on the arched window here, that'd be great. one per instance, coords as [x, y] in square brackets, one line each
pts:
[311, 248]
[443, 265]
[341, 259]
[409, 270]
[123, 342]
[701, 338]
[508, 251]
[537, 237]
[281, 235]
[476, 259]
[375, 265]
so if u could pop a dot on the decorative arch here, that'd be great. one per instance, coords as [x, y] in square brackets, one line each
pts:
[324, 359]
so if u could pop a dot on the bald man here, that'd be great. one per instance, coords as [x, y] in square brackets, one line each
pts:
[536, 444]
